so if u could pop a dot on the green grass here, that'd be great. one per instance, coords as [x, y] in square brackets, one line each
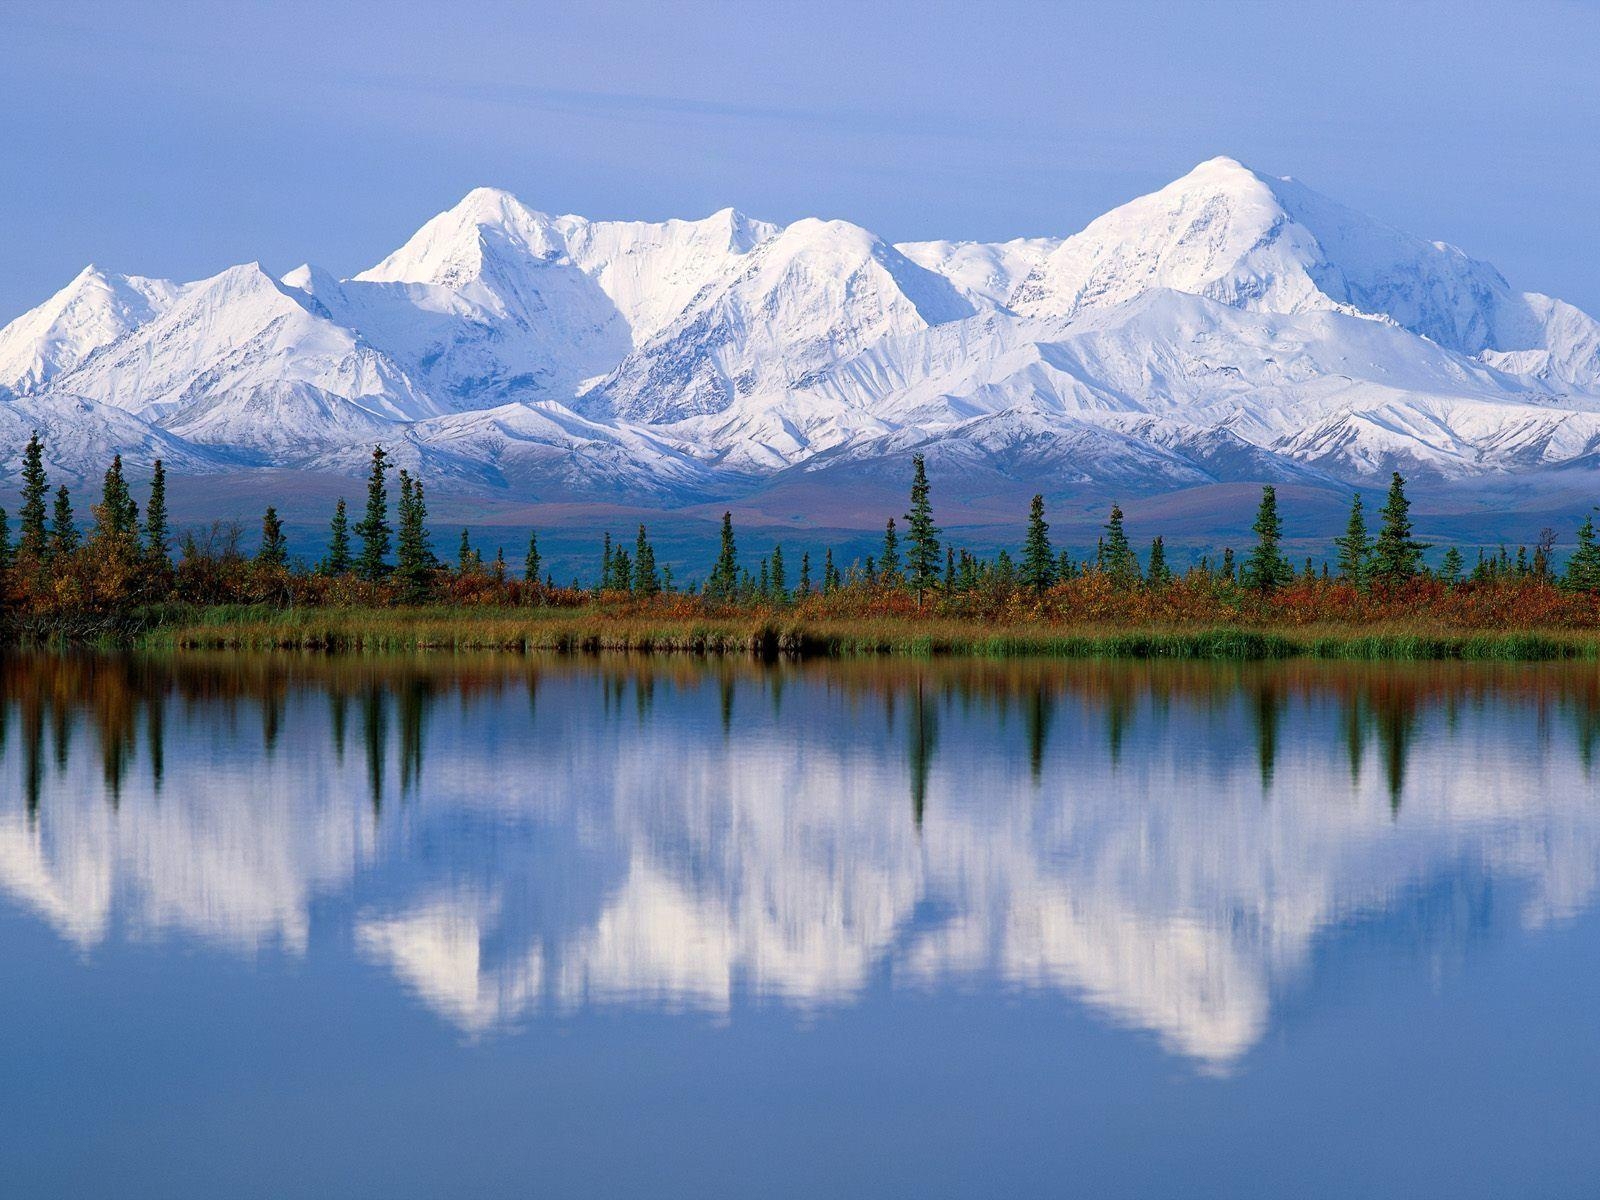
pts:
[580, 631]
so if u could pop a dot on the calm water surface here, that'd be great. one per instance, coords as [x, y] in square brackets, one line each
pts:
[278, 926]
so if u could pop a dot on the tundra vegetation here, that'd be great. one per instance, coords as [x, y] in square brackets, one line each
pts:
[382, 584]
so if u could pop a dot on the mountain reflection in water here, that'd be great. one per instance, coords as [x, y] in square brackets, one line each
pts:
[524, 837]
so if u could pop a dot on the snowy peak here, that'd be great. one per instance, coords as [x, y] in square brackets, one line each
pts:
[800, 302]
[1250, 241]
[652, 271]
[91, 312]
[227, 339]
[1228, 325]
[986, 272]
[1218, 232]
[455, 248]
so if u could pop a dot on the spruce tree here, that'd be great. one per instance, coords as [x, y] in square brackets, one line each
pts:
[830, 573]
[949, 570]
[1117, 558]
[1005, 572]
[32, 538]
[116, 516]
[803, 589]
[1157, 573]
[1355, 547]
[724, 578]
[1583, 568]
[922, 536]
[413, 551]
[63, 524]
[6, 553]
[607, 565]
[1265, 568]
[646, 581]
[338, 560]
[779, 591]
[530, 562]
[1396, 555]
[157, 537]
[373, 529]
[1038, 563]
[274, 551]
[890, 567]
[1451, 566]
[1227, 563]
[468, 561]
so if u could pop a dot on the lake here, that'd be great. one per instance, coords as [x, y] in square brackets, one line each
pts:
[484, 926]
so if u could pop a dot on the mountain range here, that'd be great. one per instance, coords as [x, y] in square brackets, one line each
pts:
[1230, 327]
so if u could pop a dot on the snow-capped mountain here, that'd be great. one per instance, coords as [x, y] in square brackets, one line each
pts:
[92, 311]
[1230, 326]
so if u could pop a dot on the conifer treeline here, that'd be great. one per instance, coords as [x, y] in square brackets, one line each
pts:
[63, 578]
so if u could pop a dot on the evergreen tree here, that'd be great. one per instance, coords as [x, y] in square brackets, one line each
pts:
[1117, 558]
[1265, 568]
[1038, 563]
[1450, 568]
[6, 552]
[779, 589]
[607, 565]
[763, 585]
[969, 573]
[63, 525]
[373, 529]
[157, 537]
[646, 582]
[890, 567]
[413, 550]
[498, 572]
[804, 588]
[1005, 572]
[1355, 547]
[724, 578]
[949, 570]
[1583, 568]
[1227, 563]
[1396, 555]
[922, 536]
[32, 539]
[274, 551]
[830, 573]
[338, 560]
[530, 562]
[468, 560]
[621, 570]
[116, 516]
[1157, 574]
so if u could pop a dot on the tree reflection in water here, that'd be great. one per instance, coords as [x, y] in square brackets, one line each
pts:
[545, 833]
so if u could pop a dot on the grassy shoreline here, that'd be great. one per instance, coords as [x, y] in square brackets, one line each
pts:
[777, 634]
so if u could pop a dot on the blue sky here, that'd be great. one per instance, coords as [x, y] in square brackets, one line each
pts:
[176, 139]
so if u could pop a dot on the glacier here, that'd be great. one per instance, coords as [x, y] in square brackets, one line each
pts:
[1229, 327]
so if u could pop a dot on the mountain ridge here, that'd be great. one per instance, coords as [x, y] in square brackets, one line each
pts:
[1229, 326]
